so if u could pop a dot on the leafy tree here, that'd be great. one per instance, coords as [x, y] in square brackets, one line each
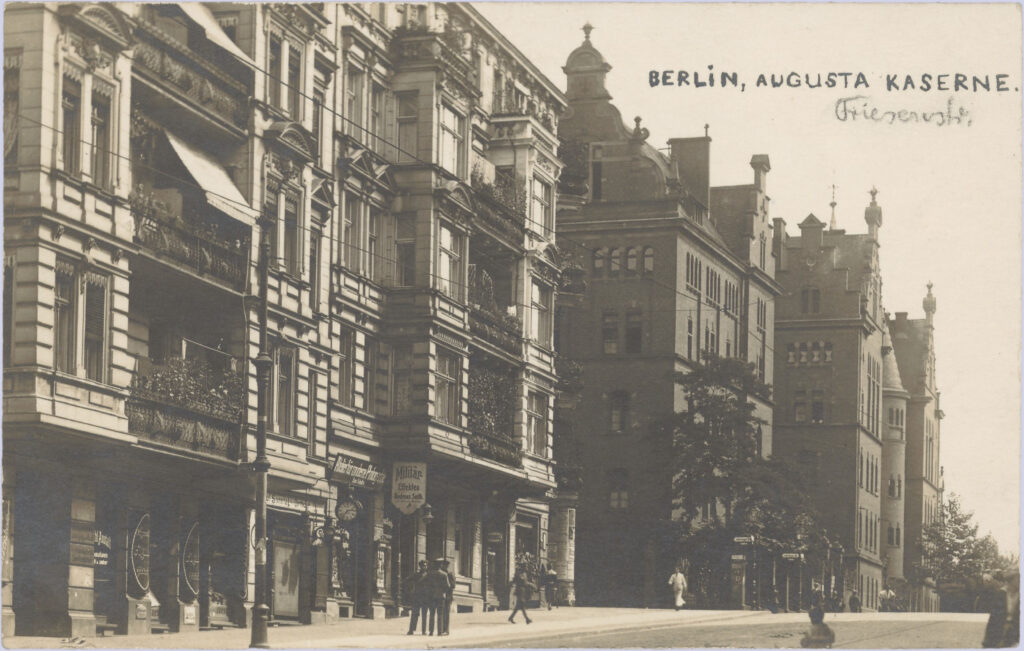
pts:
[951, 550]
[718, 465]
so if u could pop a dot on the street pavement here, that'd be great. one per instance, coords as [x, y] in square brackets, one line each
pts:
[579, 627]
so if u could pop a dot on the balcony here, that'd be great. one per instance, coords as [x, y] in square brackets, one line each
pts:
[503, 203]
[172, 66]
[202, 247]
[492, 404]
[487, 320]
[189, 404]
[412, 45]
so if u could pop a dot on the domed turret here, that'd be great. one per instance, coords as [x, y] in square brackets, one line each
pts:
[586, 70]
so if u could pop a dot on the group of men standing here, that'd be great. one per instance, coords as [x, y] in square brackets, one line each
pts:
[431, 591]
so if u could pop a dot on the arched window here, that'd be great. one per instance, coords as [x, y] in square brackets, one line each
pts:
[631, 261]
[648, 260]
[599, 262]
[614, 262]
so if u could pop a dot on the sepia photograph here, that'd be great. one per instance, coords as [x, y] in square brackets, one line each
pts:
[511, 325]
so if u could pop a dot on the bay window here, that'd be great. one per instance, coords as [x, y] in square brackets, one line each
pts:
[408, 127]
[446, 379]
[537, 423]
[541, 207]
[540, 300]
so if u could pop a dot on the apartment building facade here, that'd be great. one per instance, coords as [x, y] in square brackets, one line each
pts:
[398, 164]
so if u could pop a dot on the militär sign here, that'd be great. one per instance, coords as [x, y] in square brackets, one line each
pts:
[408, 486]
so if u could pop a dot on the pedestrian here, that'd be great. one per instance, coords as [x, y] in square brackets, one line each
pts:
[837, 602]
[885, 597]
[819, 636]
[854, 602]
[550, 583]
[435, 591]
[678, 583]
[522, 586]
[414, 588]
[1011, 634]
[993, 600]
[444, 626]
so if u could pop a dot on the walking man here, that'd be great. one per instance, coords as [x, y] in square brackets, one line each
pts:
[854, 602]
[444, 626]
[678, 583]
[521, 586]
[550, 582]
[435, 589]
[417, 605]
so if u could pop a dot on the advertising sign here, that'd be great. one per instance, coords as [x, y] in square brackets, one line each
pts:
[408, 486]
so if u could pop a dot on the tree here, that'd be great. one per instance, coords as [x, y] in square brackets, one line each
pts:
[721, 475]
[950, 549]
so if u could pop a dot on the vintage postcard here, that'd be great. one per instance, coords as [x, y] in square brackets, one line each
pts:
[508, 324]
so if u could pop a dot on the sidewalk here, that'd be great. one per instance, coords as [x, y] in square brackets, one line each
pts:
[478, 629]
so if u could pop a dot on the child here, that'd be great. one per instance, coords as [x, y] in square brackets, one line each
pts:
[820, 636]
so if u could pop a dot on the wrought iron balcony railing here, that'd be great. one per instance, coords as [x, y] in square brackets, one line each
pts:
[201, 248]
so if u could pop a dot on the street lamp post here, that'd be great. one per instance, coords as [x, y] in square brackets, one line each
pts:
[261, 465]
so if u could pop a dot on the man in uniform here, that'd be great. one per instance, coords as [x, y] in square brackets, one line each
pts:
[435, 591]
[444, 626]
[414, 590]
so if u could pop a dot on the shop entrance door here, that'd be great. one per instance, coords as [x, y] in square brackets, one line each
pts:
[287, 568]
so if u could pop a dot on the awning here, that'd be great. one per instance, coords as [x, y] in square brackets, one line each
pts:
[203, 17]
[221, 192]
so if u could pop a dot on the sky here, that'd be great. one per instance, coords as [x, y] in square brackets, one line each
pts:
[950, 194]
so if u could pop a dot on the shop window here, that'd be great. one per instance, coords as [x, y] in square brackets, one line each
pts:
[71, 107]
[634, 332]
[537, 423]
[619, 419]
[448, 398]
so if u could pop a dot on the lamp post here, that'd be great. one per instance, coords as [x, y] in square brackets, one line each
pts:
[261, 465]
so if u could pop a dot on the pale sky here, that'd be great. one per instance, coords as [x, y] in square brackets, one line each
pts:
[950, 195]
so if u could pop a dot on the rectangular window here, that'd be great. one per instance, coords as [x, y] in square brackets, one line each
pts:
[315, 244]
[354, 103]
[271, 210]
[291, 253]
[314, 414]
[450, 140]
[619, 420]
[541, 304]
[12, 87]
[377, 118]
[274, 72]
[64, 319]
[71, 105]
[319, 97]
[619, 499]
[350, 231]
[408, 127]
[541, 210]
[817, 407]
[372, 244]
[100, 158]
[294, 84]
[689, 337]
[610, 333]
[447, 401]
[406, 253]
[285, 392]
[449, 262]
[634, 332]
[95, 328]
[537, 423]
[346, 357]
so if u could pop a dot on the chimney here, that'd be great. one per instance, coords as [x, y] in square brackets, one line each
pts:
[691, 158]
[761, 167]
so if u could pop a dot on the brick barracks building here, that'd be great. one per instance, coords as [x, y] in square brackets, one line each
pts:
[856, 405]
[400, 162]
[675, 270]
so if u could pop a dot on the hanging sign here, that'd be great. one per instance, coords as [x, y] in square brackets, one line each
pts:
[408, 486]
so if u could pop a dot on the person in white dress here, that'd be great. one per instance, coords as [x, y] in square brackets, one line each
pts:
[678, 583]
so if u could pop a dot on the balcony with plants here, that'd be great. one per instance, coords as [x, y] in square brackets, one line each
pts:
[490, 321]
[194, 402]
[502, 201]
[493, 394]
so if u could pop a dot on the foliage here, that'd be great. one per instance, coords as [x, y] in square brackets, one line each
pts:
[576, 173]
[492, 395]
[529, 562]
[195, 385]
[951, 550]
[717, 460]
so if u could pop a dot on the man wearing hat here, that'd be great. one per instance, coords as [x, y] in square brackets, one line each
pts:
[435, 589]
[417, 604]
[445, 615]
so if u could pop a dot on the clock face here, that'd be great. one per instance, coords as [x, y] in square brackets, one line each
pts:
[347, 510]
